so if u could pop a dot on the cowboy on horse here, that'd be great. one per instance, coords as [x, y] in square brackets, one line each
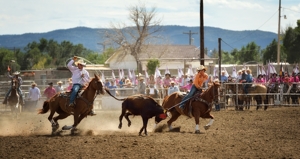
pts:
[200, 78]
[19, 79]
[80, 77]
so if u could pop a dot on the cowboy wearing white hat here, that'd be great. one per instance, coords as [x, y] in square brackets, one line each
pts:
[59, 87]
[80, 77]
[34, 94]
[15, 76]
[199, 79]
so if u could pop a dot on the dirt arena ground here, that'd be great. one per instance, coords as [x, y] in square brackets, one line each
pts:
[274, 133]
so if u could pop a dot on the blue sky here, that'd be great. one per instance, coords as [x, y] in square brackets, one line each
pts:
[38, 16]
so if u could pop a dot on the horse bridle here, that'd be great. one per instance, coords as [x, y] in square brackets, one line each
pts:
[213, 97]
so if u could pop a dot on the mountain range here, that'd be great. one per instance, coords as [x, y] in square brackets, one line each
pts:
[178, 35]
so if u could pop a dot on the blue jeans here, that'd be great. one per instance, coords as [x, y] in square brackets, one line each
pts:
[217, 107]
[189, 95]
[74, 92]
[246, 86]
[18, 90]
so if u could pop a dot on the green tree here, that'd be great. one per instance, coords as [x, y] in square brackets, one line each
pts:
[249, 53]
[290, 42]
[151, 65]
[270, 52]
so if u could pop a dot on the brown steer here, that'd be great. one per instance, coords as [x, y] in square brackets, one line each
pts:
[142, 105]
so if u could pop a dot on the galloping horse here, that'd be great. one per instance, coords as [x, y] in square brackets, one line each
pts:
[13, 99]
[199, 106]
[84, 104]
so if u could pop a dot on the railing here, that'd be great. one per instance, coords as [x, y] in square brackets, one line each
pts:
[226, 98]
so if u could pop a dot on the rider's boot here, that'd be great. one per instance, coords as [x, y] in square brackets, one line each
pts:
[5, 101]
[92, 113]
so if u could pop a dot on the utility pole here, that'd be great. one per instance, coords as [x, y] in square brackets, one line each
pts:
[190, 36]
[201, 34]
[278, 38]
[220, 57]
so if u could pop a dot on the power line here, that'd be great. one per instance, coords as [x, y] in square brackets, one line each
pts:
[256, 29]
[238, 50]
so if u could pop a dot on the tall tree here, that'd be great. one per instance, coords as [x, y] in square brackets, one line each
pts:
[132, 39]
[291, 41]
[270, 52]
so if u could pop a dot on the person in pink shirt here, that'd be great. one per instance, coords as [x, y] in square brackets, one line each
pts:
[49, 91]
[68, 89]
[260, 80]
[294, 78]
[188, 86]
[167, 80]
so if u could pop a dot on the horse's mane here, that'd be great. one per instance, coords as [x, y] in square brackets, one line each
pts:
[86, 87]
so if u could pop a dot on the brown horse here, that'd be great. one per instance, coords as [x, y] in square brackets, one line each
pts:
[199, 106]
[84, 104]
[13, 99]
[254, 89]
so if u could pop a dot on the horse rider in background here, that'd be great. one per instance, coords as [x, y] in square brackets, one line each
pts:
[15, 76]
[80, 77]
[248, 80]
[199, 79]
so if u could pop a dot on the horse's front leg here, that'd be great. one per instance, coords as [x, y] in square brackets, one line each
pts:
[196, 115]
[174, 116]
[211, 121]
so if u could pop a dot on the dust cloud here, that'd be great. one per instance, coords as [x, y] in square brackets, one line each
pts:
[105, 122]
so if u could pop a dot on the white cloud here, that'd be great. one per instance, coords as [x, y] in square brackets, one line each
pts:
[43, 16]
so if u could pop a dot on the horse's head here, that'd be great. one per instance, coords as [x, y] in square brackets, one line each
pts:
[97, 84]
[15, 83]
[213, 91]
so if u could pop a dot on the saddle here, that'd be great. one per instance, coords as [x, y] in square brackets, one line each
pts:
[67, 94]
[195, 97]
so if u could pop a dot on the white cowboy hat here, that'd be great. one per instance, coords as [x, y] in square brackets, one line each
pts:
[201, 67]
[33, 84]
[16, 73]
[216, 80]
[81, 62]
[59, 82]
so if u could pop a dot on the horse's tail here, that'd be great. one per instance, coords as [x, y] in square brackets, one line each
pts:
[107, 91]
[45, 108]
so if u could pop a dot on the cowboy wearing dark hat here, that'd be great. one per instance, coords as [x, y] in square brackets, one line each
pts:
[50, 91]
[15, 76]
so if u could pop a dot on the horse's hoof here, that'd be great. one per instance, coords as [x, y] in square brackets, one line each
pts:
[197, 132]
[129, 124]
[120, 126]
[54, 128]
[206, 127]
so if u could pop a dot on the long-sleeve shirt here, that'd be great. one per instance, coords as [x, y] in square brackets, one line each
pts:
[260, 81]
[34, 94]
[172, 90]
[199, 80]
[49, 92]
[79, 76]
[19, 78]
